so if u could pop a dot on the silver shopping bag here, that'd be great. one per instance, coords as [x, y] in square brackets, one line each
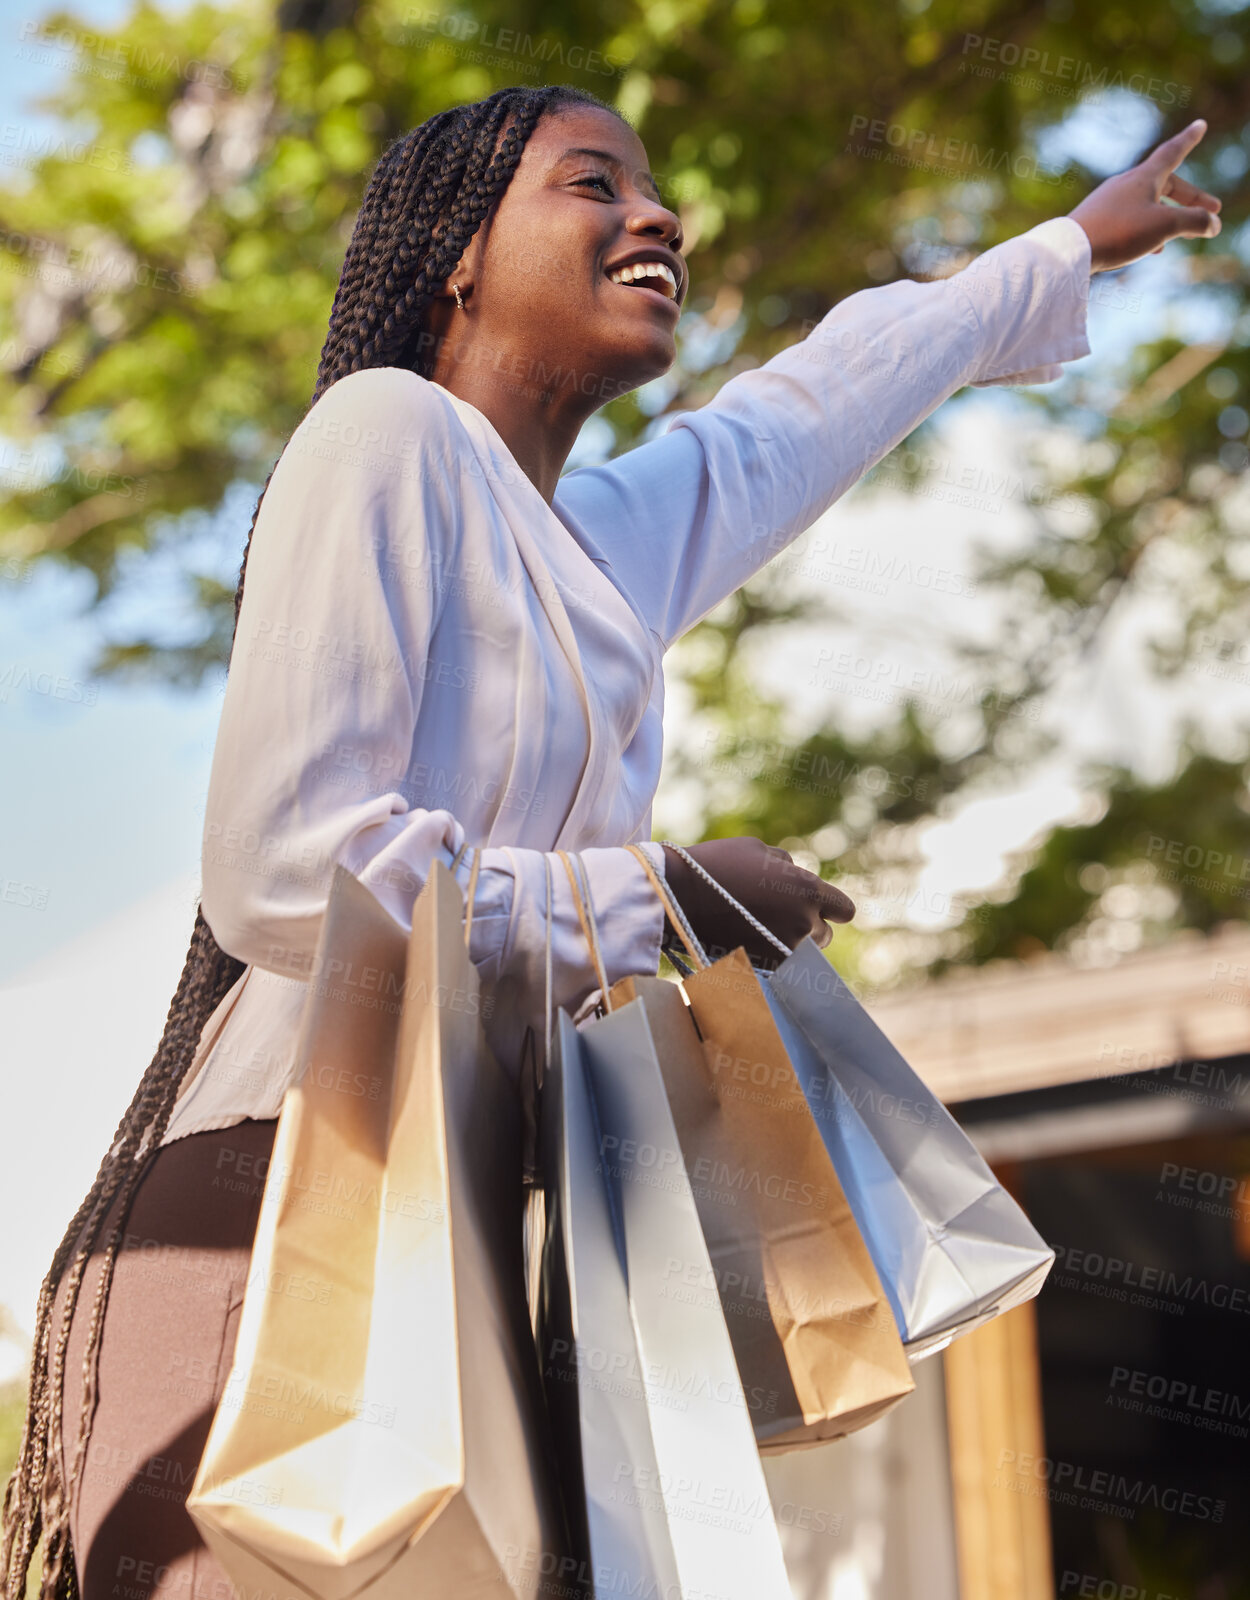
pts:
[596, 1398]
[657, 1443]
[951, 1246]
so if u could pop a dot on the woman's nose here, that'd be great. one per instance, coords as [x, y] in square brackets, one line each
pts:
[654, 218]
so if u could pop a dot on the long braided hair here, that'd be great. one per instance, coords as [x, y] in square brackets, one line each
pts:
[427, 197]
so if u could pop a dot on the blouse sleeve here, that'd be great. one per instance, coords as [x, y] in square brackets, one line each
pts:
[320, 710]
[684, 520]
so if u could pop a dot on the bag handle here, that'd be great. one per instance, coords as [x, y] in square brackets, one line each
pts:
[675, 914]
[596, 951]
[531, 1083]
[547, 961]
[470, 887]
[585, 915]
[531, 1077]
[590, 929]
[721, 889]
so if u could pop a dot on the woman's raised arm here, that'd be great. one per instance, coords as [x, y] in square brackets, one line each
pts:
[684, 520]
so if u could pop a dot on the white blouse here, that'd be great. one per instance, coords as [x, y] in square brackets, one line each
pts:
[427, 652]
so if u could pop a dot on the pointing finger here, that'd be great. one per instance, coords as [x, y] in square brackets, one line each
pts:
[1169, 155]
[1188, 194]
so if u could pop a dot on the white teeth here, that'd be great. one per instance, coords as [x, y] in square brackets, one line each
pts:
[646, 269]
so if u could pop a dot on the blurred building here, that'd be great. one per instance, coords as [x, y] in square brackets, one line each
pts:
[1096, 1442]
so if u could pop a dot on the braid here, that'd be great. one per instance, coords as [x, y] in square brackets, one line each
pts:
[427, 196]
[206, 976]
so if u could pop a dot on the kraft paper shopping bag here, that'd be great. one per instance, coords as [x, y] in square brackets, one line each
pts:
[813, 1331]
[951, 1246]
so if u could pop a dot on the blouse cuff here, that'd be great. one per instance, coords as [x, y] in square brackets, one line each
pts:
[1030, 296]
[507, 942]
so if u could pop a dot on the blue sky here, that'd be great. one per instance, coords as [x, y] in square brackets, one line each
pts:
[23, 80]
[102, 800]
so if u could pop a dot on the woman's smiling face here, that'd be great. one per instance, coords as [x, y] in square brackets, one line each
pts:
[546, 269]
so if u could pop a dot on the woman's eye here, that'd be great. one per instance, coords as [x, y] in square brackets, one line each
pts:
[595, 177]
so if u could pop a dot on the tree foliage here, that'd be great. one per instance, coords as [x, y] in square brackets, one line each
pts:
[167, 268]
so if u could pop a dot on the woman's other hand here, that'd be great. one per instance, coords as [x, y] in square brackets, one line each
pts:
[1128, 216]
[788, 900]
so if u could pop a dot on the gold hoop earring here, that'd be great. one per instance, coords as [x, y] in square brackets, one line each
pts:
[459, 297]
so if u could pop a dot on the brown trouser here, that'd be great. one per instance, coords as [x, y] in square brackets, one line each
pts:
[165, 1351]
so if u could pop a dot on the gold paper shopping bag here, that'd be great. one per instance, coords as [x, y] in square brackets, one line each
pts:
[813, 1332]
[382, 1432]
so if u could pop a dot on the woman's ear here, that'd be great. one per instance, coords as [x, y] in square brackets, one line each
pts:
[461, 273]
[468, 269]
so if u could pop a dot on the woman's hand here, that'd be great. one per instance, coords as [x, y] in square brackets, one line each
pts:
[1128, 216]
[789, 901]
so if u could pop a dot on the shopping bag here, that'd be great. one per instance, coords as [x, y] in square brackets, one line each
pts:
[647, 1404]
[951, 1246]
[596, 1391]
[382, 1432]
[813, 1332]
